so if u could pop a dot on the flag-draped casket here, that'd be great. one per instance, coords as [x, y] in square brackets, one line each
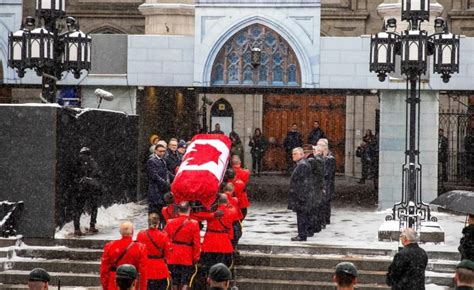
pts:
[202, 169]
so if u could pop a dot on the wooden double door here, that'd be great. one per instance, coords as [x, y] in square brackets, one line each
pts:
[282, 110]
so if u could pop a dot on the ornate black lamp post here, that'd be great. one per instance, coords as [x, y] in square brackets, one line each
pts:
[413, 45]
[46, 50]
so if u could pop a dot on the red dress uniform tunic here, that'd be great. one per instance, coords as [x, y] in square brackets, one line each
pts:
[243, 175]
[235, 213]
[233, 206]
[156, 266]
[136, 256]
[218, 234]
[169, 212]
[185, 241]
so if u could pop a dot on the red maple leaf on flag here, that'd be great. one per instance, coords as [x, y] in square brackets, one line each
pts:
[202, 154]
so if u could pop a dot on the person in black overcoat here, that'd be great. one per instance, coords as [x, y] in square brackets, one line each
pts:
[466, 244]
[300, 196]
[315, 134]
[89, 190]
[292, 140]
[159, 180]
[329, 182]
[407, 271]
[316, 161]
[443, 155]
[172, 158]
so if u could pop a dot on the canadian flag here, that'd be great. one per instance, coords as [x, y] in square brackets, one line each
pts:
[202, 169]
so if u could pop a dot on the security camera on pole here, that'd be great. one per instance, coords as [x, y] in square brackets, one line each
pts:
[413, 45]
[48, 51]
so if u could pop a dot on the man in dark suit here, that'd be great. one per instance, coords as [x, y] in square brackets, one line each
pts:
[301, 194]
[407, 271]
[159, 180]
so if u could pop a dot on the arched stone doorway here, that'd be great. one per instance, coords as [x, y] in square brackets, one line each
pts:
[222, 114]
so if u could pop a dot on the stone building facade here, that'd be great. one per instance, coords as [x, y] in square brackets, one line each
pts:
[102, 16]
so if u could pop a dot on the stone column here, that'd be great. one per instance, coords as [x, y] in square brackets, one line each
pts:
[168, 17]
[392, 145]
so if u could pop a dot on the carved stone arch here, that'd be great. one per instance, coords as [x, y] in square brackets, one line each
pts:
[107, 29]
[298, 47]
[279, 65]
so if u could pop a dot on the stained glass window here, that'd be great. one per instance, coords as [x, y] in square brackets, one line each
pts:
[278, 63]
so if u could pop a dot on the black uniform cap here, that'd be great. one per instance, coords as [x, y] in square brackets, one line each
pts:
[347, 268]
[39, 274]
[126, 271]
[220, 273]
[466, 264]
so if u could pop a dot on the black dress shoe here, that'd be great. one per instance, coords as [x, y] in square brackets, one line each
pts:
[298, 239]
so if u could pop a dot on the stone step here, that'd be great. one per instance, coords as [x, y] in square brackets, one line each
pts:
[330, 262]
[60, 253]
[92, 267]
[70, 243]
[3, 252]
[8, 242]
[303, 274]
[261, 284]
[304, 261]
[308, 249]
[67, 279]
[317, 275]
[320, 249]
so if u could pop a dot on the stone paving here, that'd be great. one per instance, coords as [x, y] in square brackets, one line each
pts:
[350, 226]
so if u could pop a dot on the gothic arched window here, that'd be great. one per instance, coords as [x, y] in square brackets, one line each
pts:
[278, 64]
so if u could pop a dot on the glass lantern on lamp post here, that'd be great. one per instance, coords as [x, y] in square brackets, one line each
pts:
[413, 45]
[46, 50]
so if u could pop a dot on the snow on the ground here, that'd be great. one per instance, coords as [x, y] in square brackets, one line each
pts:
[108, 221]
[275, 225]
[355, 227]
[435, 287]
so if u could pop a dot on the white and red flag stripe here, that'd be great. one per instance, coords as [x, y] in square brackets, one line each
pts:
[202, 169]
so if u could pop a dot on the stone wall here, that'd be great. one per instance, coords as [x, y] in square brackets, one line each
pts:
[104, 16]
[392, 145]
[160, 60]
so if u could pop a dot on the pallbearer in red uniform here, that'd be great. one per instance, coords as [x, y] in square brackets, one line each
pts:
[217, 245]
[123, 251]
[236, 214]
[169, 211]
[185, 248]
[243, 175]
[157, 245]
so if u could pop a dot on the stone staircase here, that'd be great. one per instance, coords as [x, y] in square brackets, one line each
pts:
[260, 267]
